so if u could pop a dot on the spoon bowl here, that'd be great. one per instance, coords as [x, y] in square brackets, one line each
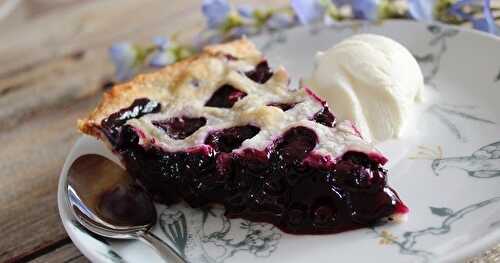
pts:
[106, 200]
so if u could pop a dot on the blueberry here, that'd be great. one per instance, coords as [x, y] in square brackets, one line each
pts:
[323, 215]
[181, 127]
[140, 107]
[261, 74]
[325, 117]
[283, 106]
[229, 139]
[225, 97]
[296, 144]
[295, 216]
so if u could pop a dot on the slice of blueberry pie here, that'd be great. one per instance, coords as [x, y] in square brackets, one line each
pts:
[223, 128]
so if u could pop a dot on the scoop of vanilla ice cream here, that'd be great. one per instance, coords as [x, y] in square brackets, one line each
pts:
[371, 80]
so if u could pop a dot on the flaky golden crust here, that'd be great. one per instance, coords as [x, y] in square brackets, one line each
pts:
[157, 85]
[184, 90]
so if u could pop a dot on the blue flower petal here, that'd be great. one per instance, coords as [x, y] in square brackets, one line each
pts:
[215, 11]
[365, 9]
[307, 10]
[491, 26]
[161, 43]
[123, 55]
[456, 9]
[279, 20]
[245, 11]
[480, 24]
[161, 58]
[486, 23]
[421, 10]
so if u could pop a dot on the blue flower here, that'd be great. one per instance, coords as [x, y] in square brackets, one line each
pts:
[487, 23]
[124, 56]
[365, 9]
[160, 59]
[456, 9]
[245, 11]
[215, 11]
[162, 55]
[161, 43]
[421, 10]
[308, 10]
[480, 24]
[280, 20]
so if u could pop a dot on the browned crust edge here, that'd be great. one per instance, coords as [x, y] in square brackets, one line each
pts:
[122, 95]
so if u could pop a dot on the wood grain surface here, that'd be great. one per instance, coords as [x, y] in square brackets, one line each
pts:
[53, 69]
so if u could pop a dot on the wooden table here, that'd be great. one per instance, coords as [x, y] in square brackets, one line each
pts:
[53, 69]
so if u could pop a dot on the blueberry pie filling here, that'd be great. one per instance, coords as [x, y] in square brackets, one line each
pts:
[245, 140]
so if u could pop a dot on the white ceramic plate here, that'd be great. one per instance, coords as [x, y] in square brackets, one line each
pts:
[447, 171]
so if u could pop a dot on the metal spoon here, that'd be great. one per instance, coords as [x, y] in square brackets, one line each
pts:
[106, 201]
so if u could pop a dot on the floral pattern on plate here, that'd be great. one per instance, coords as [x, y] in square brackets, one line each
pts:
[211, 237]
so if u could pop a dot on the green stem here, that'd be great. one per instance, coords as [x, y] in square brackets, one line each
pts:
[142, 54]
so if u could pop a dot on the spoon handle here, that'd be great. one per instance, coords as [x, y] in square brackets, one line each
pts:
[169, 254]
